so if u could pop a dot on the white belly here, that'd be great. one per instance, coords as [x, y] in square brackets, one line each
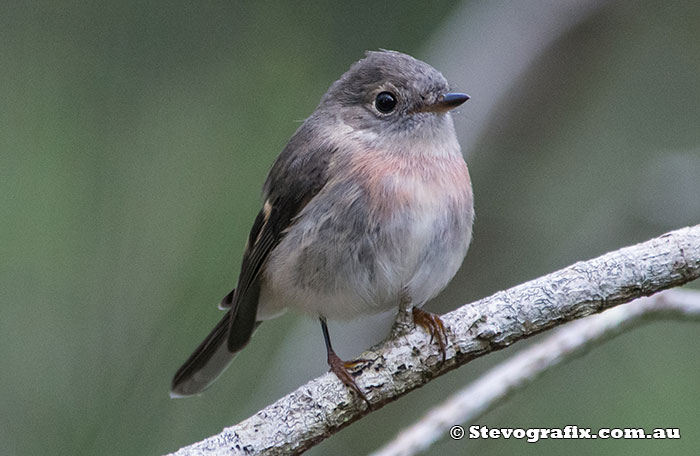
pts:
[342, 259]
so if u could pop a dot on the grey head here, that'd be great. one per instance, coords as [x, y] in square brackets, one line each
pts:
[392, 94]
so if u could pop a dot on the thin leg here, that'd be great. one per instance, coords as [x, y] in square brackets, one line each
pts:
[404, 320]
[433, 324]
[340, 367]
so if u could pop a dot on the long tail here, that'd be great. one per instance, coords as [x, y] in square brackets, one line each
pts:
[215, 353]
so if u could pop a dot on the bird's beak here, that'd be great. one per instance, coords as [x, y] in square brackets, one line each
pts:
[448, 101]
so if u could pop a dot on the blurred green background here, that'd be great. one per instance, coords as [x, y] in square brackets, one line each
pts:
[134, 140]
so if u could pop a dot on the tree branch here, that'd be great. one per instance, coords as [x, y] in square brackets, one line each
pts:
[522, 369]
[323, 406]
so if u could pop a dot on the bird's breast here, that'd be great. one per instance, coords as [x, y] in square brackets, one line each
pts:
[423, 205]
[397, 182]
[382, 224]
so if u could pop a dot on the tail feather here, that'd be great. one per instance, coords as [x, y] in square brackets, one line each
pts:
[215, 353]
[211, 358]
[203, 367]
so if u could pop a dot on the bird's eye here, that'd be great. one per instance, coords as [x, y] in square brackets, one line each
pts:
[385, 102]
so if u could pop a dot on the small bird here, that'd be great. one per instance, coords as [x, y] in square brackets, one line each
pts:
[368, 207]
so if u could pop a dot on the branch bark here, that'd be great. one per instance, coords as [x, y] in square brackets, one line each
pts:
[522, 369]
[323, 406]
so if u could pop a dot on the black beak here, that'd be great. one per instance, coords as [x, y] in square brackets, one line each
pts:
[447, 101]
[452, 100]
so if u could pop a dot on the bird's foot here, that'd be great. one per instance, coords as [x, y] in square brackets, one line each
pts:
[433, 324]
[340, 369]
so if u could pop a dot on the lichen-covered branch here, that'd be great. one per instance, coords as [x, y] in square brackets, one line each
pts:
[522, 369]
[321, 407]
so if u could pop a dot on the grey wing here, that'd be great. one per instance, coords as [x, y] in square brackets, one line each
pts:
[296, 177]
[217, 350]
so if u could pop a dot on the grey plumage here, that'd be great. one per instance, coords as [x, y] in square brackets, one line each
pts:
[360, 207]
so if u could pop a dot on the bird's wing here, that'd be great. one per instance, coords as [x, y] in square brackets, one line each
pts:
[295, 179]
[298, 175]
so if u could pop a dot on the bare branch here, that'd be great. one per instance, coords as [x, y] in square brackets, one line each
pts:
[323, 406]
[519, 371]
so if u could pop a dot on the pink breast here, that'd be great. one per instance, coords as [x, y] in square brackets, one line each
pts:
[396, 181]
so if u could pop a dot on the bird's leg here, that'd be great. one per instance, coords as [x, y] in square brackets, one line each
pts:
[404, 320]
[433, 324]
[340, 367]
[408, 318]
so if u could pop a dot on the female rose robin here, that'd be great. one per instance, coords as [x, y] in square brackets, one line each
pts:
[369, 204]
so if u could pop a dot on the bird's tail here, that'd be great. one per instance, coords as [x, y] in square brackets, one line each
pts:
[211, 358]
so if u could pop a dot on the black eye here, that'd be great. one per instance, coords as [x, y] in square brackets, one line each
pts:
[385, 102]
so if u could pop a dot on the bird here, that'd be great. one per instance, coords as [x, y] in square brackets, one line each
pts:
[369, 206]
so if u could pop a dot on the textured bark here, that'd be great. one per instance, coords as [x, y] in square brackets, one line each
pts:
[321, 407]
[490, 389]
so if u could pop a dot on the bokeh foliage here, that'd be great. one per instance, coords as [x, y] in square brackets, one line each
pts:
[135, 136]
